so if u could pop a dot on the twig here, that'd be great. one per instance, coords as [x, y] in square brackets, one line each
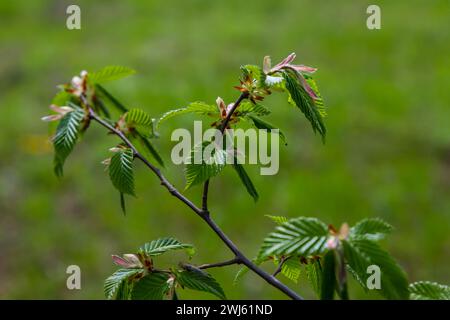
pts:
[220, 264]
[279, 267]
[203, 214]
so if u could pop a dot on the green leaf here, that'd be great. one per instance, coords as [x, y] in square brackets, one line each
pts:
[116, 103]
[138, 117]
[197, 107]
[372, 229]
[245, 179]
[361, 253]
[240, 274]
[291, 268]
[124, 290]
[200, 281]
[110, 73]
[304, 102]
[256, 73]
[300, 236]
[318, 101]
[426, 290]
[66, 137]
[114, 282]
[261, 124]
[247, 107]
[149, 148]
[162, 245]
[314, 275]
[121, 171]
[328, 276]
[277, 219]
[197, 173]
[151, 287]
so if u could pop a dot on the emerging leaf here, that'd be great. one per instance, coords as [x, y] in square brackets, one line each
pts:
[66, 137]
[151, 287]
[304, 101]
[197, 173]
[361, 253]
[162, 245]
[200, 281]
[113, 283]
[121, 171]
[197, 107]
[291, 268]
[372, 229]
[300, 236]
[245, 179]
[110, 73]
[426, 290]
[277, 219]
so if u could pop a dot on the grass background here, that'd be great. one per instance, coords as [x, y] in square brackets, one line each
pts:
[387, 154]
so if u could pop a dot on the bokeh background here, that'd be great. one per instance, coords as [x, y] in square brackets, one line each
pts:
[387, 154]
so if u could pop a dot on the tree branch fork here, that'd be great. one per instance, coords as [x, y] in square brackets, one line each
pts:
[203, 212]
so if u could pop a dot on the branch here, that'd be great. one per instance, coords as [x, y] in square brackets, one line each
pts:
[223, 127]
[220, 264]
[279, 267]
[201, 213]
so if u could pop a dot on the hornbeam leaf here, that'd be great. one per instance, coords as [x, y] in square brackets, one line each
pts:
[261, 124]
[197, 107]
[116, 103]
[361, 253]
[113, 283]
[138, 117]
[110, 73]
[206, 168]
[426, 290]
[291, 268]
[151, 287]
[304, 101]
[159, 246]
[328, 276]
[66, 137]
[245, 179]
[299, 236]
[372, 229]
[200, 281]
[121, 171]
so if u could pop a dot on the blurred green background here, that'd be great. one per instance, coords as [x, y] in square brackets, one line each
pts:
[387, 153]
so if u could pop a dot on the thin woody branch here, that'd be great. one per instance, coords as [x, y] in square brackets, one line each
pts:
[203, 214]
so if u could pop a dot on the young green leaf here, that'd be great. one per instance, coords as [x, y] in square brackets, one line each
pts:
[149, 148]
[138, 117]
[197, 107]
[113, 283]
[372, 229]
[291, 268]
[426, 290]
[116, 103]
[304, 102]
[110, 73]
[328, 276]
[277, 219]
[151, 287]
[66, 137]
[361, 253]
[200, 281]
[245, 179]
[162, 245]
[314, 275]
[121, 171]
[197, 173]
[300, 236]
[247, 107]
[261, 124]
